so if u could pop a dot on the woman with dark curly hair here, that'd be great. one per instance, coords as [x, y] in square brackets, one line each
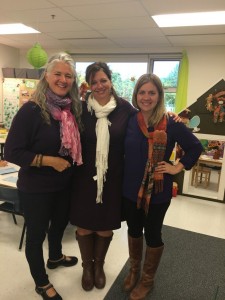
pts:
[97, 196]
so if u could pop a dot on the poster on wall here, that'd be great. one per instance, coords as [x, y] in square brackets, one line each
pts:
[16, 92]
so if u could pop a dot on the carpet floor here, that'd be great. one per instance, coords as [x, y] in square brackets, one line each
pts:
[192, 268]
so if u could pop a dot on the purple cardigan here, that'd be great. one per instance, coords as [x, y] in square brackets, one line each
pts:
[30, 135]
[136, 149]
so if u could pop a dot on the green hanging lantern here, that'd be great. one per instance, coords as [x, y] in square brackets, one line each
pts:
[37, 56]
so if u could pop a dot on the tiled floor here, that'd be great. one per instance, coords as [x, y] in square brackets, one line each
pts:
[196, 215]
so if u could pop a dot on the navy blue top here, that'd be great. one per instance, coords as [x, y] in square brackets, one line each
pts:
[29, 135]
[136, 154]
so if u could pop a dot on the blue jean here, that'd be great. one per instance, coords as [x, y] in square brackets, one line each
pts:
[151, 223]
[44, 213]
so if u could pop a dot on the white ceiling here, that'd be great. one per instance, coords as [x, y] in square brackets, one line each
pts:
[107, 26]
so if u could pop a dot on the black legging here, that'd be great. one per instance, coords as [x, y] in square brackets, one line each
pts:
[152, 223]
[44, 212]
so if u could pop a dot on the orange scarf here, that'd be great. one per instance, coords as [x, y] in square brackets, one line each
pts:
[157, 140]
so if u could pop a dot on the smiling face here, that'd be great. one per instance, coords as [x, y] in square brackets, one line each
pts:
[100, 86]
[60, 78]
[147, 98]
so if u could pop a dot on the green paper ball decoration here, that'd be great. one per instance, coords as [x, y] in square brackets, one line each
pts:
[37, 56]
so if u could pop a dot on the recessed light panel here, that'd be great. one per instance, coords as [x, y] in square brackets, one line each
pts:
[16, 28]
[190, 19]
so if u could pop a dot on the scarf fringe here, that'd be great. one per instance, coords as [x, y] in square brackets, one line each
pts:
[103, 140]
[158, 186]
[71, 143]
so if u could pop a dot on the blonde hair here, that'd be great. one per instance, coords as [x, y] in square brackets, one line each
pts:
[39, 95]
[159, 109]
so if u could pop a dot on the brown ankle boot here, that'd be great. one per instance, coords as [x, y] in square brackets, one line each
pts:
[101, 248]
[135, 257]
[145, 285]
[86, 245]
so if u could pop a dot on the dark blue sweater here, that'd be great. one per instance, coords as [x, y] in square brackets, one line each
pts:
[30, 135]
[136, 152]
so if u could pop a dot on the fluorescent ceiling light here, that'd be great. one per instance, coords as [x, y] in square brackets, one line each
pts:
[190, 19]
[16, 28]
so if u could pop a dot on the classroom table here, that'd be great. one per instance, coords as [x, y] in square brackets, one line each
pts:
[9, 175]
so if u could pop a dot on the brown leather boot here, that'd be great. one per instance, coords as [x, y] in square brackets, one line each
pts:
[145, 285]
[135, 256]
[86, 245]
[101, 248]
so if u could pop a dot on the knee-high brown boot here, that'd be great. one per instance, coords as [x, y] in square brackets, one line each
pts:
[145, 285]
[86, 245]
[135, 256]
[101, 248]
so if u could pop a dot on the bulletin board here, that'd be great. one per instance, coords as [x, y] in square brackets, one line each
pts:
[16, 91]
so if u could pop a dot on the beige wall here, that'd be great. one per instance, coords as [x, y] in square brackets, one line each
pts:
[9, 57]
[206, 68]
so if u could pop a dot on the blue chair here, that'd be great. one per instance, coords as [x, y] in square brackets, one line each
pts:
[11, 204]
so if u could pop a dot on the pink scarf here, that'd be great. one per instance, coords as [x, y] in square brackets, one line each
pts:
[59, 109]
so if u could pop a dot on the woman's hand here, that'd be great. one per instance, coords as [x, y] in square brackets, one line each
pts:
[165, 167]
[58, 163]
[3, 163]
[175, 116]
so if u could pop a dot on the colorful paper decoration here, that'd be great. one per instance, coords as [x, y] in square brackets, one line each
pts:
[216, 103]
[37, 56]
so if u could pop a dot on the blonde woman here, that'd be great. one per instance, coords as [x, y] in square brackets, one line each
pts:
[44, 141]
[148, 178]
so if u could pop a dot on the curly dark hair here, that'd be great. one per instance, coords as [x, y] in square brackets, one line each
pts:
[99, 66]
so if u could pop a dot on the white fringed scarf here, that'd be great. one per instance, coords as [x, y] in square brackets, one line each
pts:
[103, 139]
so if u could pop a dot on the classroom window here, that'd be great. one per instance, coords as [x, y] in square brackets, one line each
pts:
[125, 74]
[167, 70]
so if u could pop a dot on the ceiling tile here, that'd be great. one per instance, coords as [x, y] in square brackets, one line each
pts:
[108, 25]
